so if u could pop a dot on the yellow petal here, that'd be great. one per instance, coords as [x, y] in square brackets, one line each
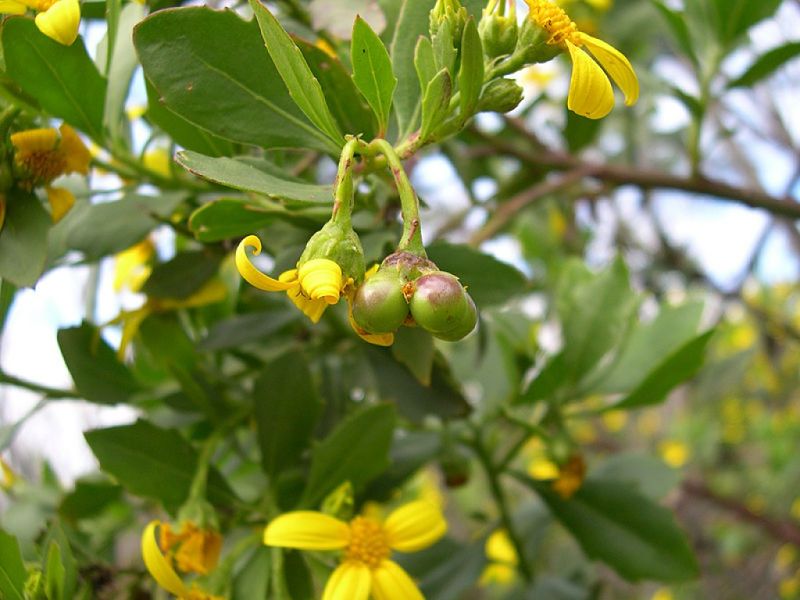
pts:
[60, 22]
[500, 549]
[75, 151]
[9, 7]
[35, 140]
[350, 581]
[415, 526]
[307, 530]
[250, 273]
[313, 309]
[132, 266]
[497, 573]
[158, 565]
[212, 292]
[616, 65]
[131, 321]
[590, 93]
[391, 582]
[61, 200]
[321, 279]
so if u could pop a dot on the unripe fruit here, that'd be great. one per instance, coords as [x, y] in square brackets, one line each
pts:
[439, 302]
[379, 305]
[468, 321]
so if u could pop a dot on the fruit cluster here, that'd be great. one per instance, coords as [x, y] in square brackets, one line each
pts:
[410, 290]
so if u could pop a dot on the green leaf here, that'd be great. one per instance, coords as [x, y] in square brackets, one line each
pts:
[98, 375]
[648, 344]
[414, 348]
[470, 73]
[23, 239]
[489, 281]
[54, 574]
[181, 131]
[734, 17]
[676, 368]
[246, 177]
[579, 131]
[447, 570]
[408, 455]
[183, 275]
[104, 229]
[347, 105]
[120, 70]
[412, 23]
[154, 463]
[356, 451]
[210, 67]
[680, 31]
[766, 64]
[648, 474]
[615, 524]
[594, 314]
[60, 567]
[249, 328]
[88, 499]
[436, 103]
[372, 71]
[253, 580]
[7, 293]
[299, 581]
[287, 406]
[424, 62]
[300, 81]
[12, 569]
[63, 79]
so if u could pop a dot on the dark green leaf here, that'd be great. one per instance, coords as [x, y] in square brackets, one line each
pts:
[88, 499]
[448, 569]
[470, 73]
[153, 463]
[356, 451]
[436, 103]
[734, 17]
[648, 474]
[211, 68]
[412, 23]
[372, 71]
[12, 569]
[287, 406]
[580, 131]
[676, 368]
[303, 87]
[23, 239]
[488, 280]
[614, 523]
[7, 292]
[253, 580]
[245, 176]
[408, 454]
[182, 276]
[677, 24]
[98, 375]
[63, 79]
[413, 347]
[299, 581]
[243, 329]
[767, 64]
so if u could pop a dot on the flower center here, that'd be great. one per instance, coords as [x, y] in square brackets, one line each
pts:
[554, 21]
[42, 165]
[368, 543]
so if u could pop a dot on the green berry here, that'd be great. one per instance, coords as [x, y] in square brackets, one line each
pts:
[464, 327]
[439, 302]
[379, 305]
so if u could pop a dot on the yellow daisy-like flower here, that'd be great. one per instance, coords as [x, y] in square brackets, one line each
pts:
[159, 564]
[503, 560]
[57, 19]
[590, 92]
[366, 544]
[42, 155]
[132, 266]
[317, 284]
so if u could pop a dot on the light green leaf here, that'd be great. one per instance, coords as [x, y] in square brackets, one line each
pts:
[436, 103]
[300, 81]
[210, 67]
[424, 62]
[63, 79]
[766, 64]
[54, 574]
[183, 275]
[617, 525]
[680, 31]
[12, 569]
[648, 474]
[356, 451]
[247, 177]
[253, 579]
[23, 239]
[372, 71]
[470, 73]
[155, 463]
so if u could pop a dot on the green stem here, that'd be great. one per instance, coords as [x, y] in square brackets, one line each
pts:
[412, 234]
[343, 188]
[48, 392]
[492, 475]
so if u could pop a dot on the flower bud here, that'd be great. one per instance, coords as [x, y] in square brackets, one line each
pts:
[498, 34]
[501, 95]
[379, 305]
[453, 13]
[438, 302]
[321, 279]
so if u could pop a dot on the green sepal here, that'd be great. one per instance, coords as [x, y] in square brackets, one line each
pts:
[199, 512]
[532, 44]
[498, 34]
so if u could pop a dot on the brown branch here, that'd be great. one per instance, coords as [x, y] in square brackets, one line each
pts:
[784, 531]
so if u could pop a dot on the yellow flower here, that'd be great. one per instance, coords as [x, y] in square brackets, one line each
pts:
[196, 550]
[315, 285]
[159, 161]
[570, 477]
[674, 453]
[366, 544]
[160, 565]
[42, 155]
[57, 19]
[503, 559]
[10, 477]
[590, 92]
[615, 420]
[132, 266]
[661, 594]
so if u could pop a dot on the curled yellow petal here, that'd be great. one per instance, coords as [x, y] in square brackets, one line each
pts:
[350, 581]
[313, 309]
[590, 93]
[158, 565]
[391, 582]
[321, 279]
[250, 273]
[616, 65]
[415, 526]
[307, 530]
[61, 200]
[34, 140]
[76, 154]
[9, 7]
[60, 22]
